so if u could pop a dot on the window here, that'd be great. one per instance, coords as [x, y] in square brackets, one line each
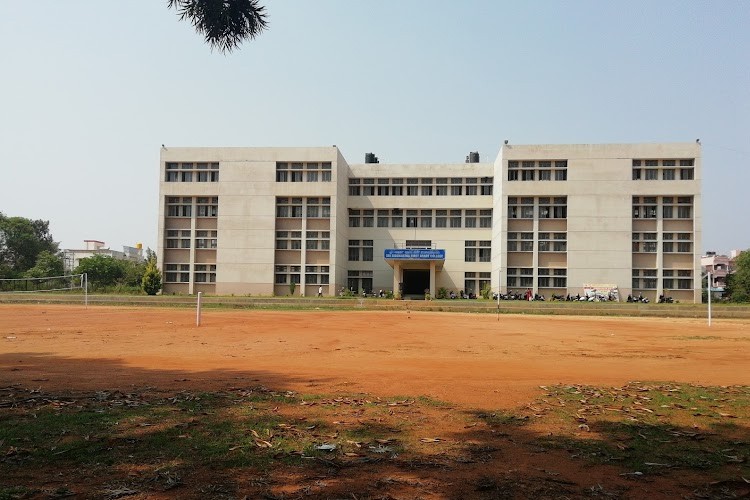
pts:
[486, 186]
[470, 218]
[359, 280]
[205, 239]
[411, 218]
[317, 240]
[686, 174]
[360, 248]
[288, 207]
[282, 174]
[316, 275]
[667, 174]
[652, 174]
[178, 238]
[368, 218]
[485, 218]
[288, 240]
[383, 218]
[204, 273]
[455, 218]
[368, 188]
[354, 188]
[441, 218]
[207, 207]
[179, 206]
[177, 273]
[397, 218]
[425, 218]
[354, 248]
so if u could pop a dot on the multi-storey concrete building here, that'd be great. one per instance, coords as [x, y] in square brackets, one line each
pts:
[555, 219]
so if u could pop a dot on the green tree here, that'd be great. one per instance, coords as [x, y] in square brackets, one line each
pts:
[738, 282]
[47, 264]
[21, 242]
[103, 270]
[224, 24]
[151, 281]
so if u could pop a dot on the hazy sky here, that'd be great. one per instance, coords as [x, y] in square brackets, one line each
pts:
[90, 89]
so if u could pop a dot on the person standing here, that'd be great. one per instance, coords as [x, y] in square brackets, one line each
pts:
[320, 291]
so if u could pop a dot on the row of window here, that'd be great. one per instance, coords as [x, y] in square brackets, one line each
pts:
[546, 277]
[313, 208]
[541, 207]
[546, 242]
[422, 186]
[186, 206]
[314, 275]
[663, 169]
[667, 247]
[532, 170]
[442, 218]
[672, 279]
[314, 240]
[647, 207]
[180, 273]
[182, 238]
[191, 172]
[303, 171]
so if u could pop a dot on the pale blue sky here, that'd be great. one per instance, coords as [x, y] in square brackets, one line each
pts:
[90, 89]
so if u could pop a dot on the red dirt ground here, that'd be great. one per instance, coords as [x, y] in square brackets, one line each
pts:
[469, 360]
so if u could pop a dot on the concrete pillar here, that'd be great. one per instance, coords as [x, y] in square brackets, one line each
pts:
[432, 278]
[396, 277]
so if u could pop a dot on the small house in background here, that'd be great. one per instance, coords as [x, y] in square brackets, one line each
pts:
[719, 266]
[72, 257]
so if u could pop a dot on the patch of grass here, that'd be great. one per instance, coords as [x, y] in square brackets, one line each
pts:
[15, 492]
[435, 403]
[503, 418]
[651, 427]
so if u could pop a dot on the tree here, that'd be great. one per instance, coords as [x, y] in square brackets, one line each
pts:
[21, 242]
[47, 264]
[102, 270]
[738, 282]
[224, 24]
[151, 282]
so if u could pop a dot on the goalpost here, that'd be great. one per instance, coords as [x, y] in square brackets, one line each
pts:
[68, 282]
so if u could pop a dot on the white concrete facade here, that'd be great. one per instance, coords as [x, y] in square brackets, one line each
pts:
[549, 218]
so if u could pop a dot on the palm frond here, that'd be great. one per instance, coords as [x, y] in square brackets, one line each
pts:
[224, 24]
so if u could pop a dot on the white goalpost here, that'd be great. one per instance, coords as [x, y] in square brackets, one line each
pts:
[65, 283]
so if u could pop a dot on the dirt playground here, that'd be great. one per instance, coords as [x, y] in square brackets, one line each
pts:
[463, 362]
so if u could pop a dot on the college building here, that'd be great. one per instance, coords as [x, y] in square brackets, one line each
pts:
[552, 219]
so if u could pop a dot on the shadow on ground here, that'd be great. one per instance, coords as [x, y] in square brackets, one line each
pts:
[95, 428]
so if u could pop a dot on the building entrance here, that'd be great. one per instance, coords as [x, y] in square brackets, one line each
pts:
[416, 281]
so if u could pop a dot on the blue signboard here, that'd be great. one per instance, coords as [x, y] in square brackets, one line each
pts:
[414, 254]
